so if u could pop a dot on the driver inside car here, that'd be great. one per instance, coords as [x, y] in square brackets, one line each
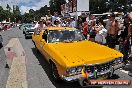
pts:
[44, 36]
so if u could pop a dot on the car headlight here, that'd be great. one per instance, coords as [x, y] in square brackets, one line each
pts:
[79, 69]
[74, 70]
[118, 60]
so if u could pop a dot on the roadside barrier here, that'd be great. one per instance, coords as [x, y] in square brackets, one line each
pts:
[10, 52]
[17, 63]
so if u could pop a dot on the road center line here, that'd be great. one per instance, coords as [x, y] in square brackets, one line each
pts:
[17, 75]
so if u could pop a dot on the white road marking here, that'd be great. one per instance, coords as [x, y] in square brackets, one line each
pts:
[17, 75]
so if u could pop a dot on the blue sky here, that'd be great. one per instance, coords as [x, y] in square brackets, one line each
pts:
[25, 5]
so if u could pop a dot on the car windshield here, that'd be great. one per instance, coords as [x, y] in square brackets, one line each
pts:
[65, 36]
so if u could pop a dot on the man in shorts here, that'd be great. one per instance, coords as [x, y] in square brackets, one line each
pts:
[112, 32]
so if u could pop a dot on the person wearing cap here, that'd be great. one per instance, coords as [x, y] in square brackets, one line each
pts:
[112, 32]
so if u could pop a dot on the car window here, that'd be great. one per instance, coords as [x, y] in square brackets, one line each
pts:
[64, 35]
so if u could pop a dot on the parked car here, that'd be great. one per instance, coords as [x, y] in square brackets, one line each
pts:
[70, 55]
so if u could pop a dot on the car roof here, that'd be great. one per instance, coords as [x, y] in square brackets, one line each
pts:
[60, 28]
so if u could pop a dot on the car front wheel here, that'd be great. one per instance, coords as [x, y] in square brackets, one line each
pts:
[54, 73]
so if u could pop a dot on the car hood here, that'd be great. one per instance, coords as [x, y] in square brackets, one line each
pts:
[84, 52]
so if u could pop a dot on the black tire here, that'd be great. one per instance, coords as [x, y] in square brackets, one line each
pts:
[54, 73]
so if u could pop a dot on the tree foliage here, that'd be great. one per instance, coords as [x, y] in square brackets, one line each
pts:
[96, 6]
[7, 14]
[55, 5]
[101, 6]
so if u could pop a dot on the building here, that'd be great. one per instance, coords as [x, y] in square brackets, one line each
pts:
[76, 7]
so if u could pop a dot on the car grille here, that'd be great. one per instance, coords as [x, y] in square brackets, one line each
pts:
[98, 67]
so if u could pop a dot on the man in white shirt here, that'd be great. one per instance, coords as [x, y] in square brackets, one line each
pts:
[54, 17]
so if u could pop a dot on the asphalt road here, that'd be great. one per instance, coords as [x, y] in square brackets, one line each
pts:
[38, 72]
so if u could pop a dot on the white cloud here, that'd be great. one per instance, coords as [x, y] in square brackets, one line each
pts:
[26, 4]
[26, 9]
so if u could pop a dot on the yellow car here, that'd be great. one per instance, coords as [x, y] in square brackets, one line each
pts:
[71, 56]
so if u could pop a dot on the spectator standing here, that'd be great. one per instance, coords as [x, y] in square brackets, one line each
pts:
[48, 23]
[53, 18]
[72, 23]
[85, 29]
[112, 32]
[130, 34]
[100, 31]
[92, 31]
[36, 25]
[124, 40]
[108, 23]
[57, 23]
[40, 26]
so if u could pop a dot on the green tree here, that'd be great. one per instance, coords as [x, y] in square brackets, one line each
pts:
[1, 9]
[16, 13]
[8, 7]
[55, 5]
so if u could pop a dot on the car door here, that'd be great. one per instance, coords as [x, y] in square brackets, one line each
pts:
[43, 46]
[42, 40]
[36, 37]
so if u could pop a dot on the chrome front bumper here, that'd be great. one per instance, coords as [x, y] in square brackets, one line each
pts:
[91, 75]
[94, 75]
